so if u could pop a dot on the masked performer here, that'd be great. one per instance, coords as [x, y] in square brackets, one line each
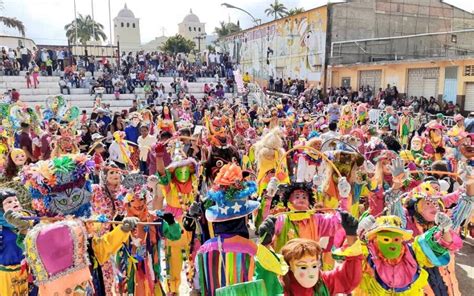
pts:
[139, 260]
[393, 265]
[66, 256]
[13, 277]
[178, 184]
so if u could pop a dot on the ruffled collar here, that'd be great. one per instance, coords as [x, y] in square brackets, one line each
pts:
[396, 273]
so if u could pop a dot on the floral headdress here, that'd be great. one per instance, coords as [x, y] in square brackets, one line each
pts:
[49, 178]
[231, 193]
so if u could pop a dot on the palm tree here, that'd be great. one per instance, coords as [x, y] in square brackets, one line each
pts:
[276, 9]
[13, 23]
[294, 11]
[87, 30]
[227, 29]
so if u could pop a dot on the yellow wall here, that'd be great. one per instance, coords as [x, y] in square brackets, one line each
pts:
[298, 43]
[396, 74]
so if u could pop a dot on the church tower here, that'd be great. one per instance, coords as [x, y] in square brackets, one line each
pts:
[127, 30]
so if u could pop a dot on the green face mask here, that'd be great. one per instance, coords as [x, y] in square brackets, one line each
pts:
[390, 244]
[182, 174]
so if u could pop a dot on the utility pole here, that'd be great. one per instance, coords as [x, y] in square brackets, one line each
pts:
[199, 38]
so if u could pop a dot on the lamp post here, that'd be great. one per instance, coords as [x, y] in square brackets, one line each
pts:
[256, 21]
[199, 38]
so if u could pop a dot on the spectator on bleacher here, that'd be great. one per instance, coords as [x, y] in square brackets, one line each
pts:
[60, 56]
[103, 121]
[15, 96]
[63, 84]
[132, 131]
[26, 143]
[118, 124]
[47, 138]
[24, 58]
[28, 79]
[49, 66]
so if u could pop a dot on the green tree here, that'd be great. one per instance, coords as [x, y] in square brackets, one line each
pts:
[11, 22]
[178, 44]
[87, 30]
[276, 9]
[227, 29]
[294, 11]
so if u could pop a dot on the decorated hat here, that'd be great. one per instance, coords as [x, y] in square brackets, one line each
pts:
[231, 193]
[385, 154]
[374, 148]
[458, 117]
[179, 159]
[60, 186]
[390, 224]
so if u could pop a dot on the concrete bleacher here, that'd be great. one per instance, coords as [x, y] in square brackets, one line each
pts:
[81, 98]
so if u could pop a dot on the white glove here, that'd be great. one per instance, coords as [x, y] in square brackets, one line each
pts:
[317, 180]
[343, 187]
[129, 223]
[443, 221]
[365, 225]
[272, 187]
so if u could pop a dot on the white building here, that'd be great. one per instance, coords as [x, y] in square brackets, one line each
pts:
[127, 30]
[192, 29]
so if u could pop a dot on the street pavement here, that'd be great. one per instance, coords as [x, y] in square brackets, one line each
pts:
[465, 267]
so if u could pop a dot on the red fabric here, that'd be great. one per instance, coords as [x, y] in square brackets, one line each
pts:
[345, 278]
[297, 289]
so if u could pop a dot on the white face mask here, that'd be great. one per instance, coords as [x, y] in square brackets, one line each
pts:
[443, 185]
[306, 271]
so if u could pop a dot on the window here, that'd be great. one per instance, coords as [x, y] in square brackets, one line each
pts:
[194, 29]
[199, 29]
[133, 25]
[190, 29]
[128, 25]
[122, 25]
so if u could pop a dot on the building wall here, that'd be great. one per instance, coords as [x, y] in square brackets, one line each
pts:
[289, 47]
[397, 74]
[191, 30]
[14, 42]
[364, 19]
[129, 36]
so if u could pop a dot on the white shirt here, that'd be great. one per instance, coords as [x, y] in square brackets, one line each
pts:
[115, 153]
[144, 145]
[23, 50]
[329, 135]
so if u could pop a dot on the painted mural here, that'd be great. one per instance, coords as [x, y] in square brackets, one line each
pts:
[289, 47]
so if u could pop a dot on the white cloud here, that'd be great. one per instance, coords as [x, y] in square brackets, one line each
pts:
[45, 19]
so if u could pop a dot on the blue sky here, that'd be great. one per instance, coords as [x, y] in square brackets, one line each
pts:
[45, 19]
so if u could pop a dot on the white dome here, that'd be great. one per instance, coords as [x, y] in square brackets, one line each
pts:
[191, 18]
[125, 12]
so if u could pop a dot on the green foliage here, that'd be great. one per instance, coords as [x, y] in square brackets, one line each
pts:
[13, 23]
[178, 44]
[294, 11]
[87, 30]
[227, 29]
[276, 9]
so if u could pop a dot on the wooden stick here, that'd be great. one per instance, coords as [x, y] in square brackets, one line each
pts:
[54, 219]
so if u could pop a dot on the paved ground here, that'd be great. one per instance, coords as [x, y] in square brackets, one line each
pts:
[465, 267]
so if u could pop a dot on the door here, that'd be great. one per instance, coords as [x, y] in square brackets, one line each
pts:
[469, 102]
[450, 84]
[423, 82]
[373, 78]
